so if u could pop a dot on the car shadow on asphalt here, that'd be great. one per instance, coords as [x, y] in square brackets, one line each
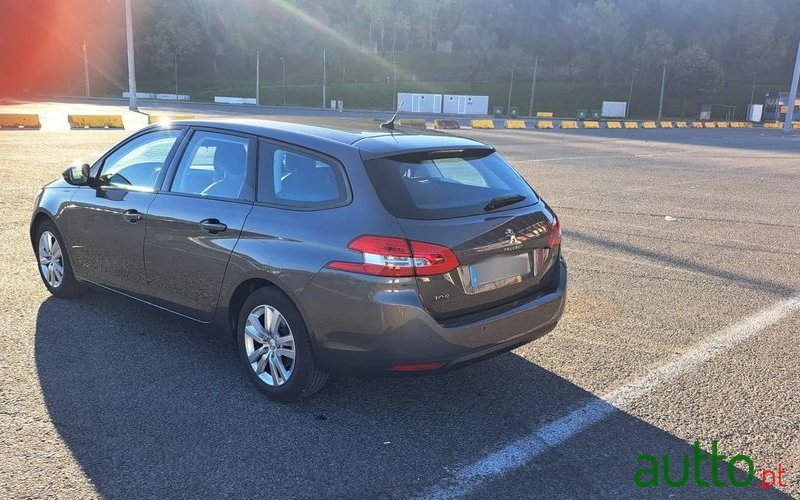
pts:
[151, 406]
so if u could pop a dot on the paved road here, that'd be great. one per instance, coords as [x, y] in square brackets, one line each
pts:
[674, 332]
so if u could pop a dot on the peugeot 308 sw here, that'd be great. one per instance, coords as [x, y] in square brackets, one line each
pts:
[323, 251]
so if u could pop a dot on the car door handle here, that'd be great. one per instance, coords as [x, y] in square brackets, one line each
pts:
[133, 216]
[212, 226]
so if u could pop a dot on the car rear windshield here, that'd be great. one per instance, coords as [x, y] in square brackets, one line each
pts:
[446, 184]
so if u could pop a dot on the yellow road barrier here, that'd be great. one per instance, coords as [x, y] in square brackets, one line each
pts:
[772, 125]
[613, 125]
[95, 121]
[665, 124]
[697, 124]
[648, 124]
[591, 124]
[413, 123]
[709, 125]
[630, 124]
[446, 124]
[544, 114]
[482, 124]
[168, 118]
[544, 124]
[516, 124]
[722, 124]
[681, 125]
[736, 124]
[568, 124]
[796, 125]
[16, 120]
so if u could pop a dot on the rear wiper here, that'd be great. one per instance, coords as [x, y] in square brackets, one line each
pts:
[502, 201]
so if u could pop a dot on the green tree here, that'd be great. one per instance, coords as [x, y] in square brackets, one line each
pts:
[694, 75]
[171, 36]
[427, 16]
[656, 47]
[754, 35]
[479, 48]
[597, 35]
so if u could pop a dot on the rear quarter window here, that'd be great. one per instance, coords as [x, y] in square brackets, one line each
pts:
[298, 179]
[439, 185]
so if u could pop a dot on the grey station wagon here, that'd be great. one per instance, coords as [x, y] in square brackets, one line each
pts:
[323, 251]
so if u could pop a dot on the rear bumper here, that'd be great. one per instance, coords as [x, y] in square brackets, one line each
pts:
[365, 325]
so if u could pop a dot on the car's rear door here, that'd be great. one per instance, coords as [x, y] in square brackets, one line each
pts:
[104, 224]
[196, 220]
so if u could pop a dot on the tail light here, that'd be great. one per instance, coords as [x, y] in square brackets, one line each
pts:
[398, 257]
[555, 233]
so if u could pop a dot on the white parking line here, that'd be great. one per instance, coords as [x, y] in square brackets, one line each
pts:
[527, 448]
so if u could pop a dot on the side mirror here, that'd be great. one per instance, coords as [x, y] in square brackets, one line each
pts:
[77, 176]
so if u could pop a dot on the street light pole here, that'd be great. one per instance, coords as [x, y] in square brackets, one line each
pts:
[394, 78]
[86, 69]
[630, 95]
[324, 78]
[258, 75]
[175, 54]
[663, 81]
[283, 71]
[510, 88]
[787, 125]
[753, 92]
[533, 86]
[131, 66]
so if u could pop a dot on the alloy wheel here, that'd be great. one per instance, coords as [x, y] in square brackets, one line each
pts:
[51, 259]
[269, 345]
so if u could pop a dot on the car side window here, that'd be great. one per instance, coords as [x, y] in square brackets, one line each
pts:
[298, 180]
[214, 165]
[138, 163]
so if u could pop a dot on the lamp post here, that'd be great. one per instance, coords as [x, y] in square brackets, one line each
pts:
[86, 69]
[787, 125]
[394, 83]
[394, 78]
[510, 88]
[258, 75]
[131, 66]
[283, 71]
[175, 55]
[324, 78]
[630, 93]
[663, 82]
[533, 86]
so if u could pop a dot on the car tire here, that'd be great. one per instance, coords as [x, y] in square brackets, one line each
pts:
[52, 260]
[275, 347]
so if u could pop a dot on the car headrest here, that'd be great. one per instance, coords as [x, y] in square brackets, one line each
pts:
[230, 159]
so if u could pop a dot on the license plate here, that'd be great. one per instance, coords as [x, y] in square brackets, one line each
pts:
[499, 268]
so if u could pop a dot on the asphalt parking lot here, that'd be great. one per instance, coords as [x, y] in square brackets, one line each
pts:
[675, 331]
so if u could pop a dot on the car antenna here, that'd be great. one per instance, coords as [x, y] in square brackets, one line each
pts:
[390, 124]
